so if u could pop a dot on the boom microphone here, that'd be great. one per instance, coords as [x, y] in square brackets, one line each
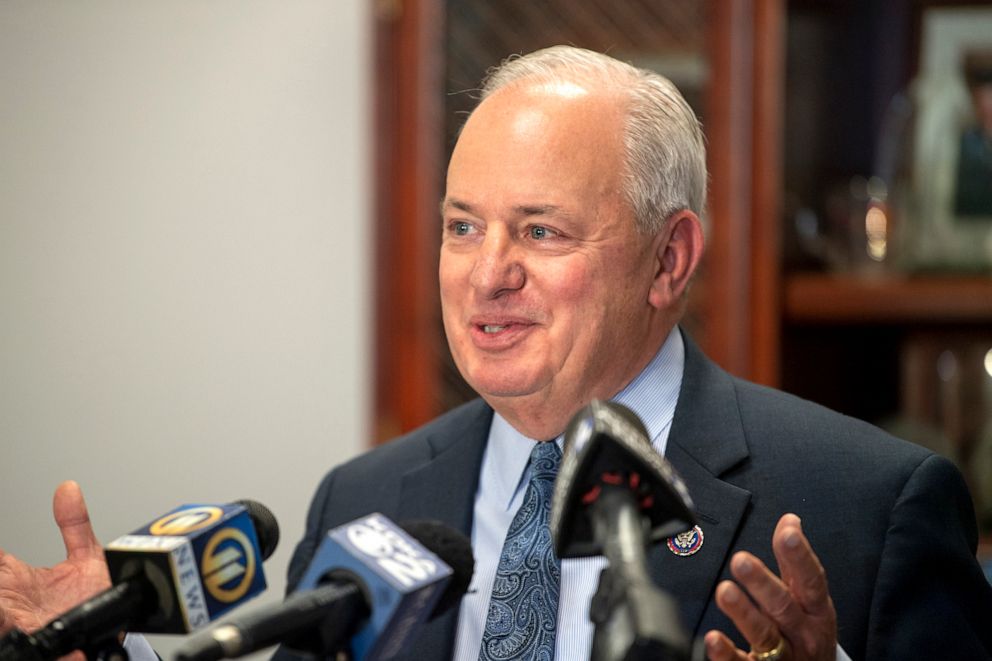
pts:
[370, 586]
[174, 575]
[606, 449]
[613, 496]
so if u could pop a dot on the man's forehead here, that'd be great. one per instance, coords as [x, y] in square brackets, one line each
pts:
[530, 152]
[531, 104]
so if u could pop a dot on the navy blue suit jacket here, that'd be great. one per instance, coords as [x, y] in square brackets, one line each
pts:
[892, 523]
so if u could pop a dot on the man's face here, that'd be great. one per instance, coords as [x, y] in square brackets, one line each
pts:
[544, 278]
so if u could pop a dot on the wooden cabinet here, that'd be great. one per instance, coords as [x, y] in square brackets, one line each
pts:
[907, 348]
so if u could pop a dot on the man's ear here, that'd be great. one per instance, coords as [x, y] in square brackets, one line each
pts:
[677, 252]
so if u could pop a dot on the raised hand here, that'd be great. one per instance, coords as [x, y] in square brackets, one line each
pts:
[787, 617]
[30, 596]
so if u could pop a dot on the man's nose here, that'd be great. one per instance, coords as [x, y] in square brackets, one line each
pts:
[498, 267]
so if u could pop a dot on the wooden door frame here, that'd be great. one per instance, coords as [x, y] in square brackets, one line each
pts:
[744, 116]
[409, 110]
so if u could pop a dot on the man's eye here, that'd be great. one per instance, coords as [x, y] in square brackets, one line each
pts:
[539, 232]
[460, 228]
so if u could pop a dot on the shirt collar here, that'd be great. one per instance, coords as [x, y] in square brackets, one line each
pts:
[652, 395]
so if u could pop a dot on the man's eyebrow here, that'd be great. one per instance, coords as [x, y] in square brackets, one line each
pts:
[520, 209]
[538, 210]
[456, 203]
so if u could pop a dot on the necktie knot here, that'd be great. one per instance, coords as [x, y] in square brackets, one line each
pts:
[544, 461]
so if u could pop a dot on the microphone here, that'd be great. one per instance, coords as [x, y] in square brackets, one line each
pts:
[614, 495]
[174, 575]
[607, 454]
[370, 586]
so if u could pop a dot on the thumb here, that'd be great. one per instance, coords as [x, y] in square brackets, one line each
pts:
[73, 521]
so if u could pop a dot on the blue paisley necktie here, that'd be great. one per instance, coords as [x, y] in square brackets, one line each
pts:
[523, 609]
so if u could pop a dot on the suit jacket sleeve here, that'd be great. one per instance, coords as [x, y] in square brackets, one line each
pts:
[931, 600]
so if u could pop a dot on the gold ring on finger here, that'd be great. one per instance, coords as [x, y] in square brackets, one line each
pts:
[773, 654]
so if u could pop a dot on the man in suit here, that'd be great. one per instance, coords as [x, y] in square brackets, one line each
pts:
[571, 232]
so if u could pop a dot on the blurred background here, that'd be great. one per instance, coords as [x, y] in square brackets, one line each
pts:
[219, 228]
[849, 256]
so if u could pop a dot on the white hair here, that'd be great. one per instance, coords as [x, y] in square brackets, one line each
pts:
[665, 153]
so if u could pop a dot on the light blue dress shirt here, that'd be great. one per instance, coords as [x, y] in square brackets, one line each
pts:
[502, 483]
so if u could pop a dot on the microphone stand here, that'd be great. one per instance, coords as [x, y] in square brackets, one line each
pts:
[20, 646]
[634, 619]
[95, 627]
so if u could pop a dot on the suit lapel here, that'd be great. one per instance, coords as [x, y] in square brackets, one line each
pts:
[457, 456]
[720, 508]
[706, 441]
[455, 462]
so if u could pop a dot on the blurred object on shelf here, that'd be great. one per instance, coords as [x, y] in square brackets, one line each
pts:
[947, 387]
[862, 230]
[922, 201]
[973, 189]
[858, 232]
[950, 198]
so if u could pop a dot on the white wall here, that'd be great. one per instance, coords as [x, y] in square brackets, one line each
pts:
[184, 257]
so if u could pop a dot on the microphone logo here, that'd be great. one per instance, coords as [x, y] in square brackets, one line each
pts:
[186, 520]
[370, 541]
[376, 537]
[228, 565]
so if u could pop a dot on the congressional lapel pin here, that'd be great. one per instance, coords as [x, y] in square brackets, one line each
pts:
[686, 543]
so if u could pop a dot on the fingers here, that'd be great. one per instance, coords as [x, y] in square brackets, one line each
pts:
[766, 609]
[760, 630]
[721, 648]
[800, 567]
[73, 521]
[772, 597]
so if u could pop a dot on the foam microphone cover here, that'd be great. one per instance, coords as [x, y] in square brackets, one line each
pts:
[454, 549]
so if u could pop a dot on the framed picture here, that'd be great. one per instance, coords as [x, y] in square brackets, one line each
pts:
[952, 154]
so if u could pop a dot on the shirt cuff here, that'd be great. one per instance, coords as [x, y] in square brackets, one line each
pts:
[138, 648]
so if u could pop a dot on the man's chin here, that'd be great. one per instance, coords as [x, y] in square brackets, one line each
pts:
[499, 387]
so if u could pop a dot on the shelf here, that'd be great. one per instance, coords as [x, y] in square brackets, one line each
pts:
[818, 298]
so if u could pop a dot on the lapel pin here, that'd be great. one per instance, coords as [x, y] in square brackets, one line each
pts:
[686, 543]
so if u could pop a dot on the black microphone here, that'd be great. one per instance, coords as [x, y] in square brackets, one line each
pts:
[174, 575]
[369, 587]
[607, 451]
[614, 495]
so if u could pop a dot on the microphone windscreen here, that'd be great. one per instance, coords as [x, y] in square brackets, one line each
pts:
[454, 549]
[266, 526]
